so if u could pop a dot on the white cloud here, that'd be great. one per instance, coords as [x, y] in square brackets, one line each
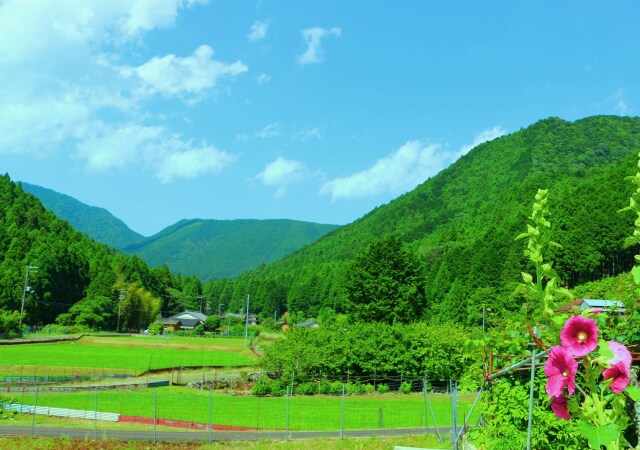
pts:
[262, 79]
[63, 90]
[396, 173]
[304, 135]
[269, 131]
[403, 169]
[153, 149]
[190, 76]
[619, 103]
[281, 173]
[313, 38]
[487, 135]
[258, 31]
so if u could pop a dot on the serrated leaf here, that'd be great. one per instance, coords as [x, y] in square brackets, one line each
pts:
[599, 436]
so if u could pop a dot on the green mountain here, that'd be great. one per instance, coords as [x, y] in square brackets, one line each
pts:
[464, 221]
[72, 279]
[213, 249]
[98, 223]
[210, 249]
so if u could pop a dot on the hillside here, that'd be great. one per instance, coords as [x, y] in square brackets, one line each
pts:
[97, 223]
[209, 249]
[213, 249]
[464, 221]
[73, 280]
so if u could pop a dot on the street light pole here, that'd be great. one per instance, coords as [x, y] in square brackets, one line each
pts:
[246, 324]
[24, 291]
[122, 296]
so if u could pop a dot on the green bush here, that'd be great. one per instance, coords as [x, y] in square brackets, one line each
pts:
[308, 388]
[156, 329]
[369, 389]
[405, 388]
[10, 324]
[278, 388]
[355, 388]
[336, 388]
[262, 387]
[383, 388]
[324, 387]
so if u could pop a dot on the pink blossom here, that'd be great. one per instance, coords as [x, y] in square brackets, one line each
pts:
[620, 354]
[619, 372]
[595, 311]
[559, 407]
[561, 370]
[579, 335]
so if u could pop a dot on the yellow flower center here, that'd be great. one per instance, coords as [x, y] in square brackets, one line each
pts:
[565, 373]
[582, 336]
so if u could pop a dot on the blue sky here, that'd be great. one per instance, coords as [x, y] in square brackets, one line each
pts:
[160, 110]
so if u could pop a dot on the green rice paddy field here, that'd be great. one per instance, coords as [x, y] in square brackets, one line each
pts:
[122, 354]
[319, 413]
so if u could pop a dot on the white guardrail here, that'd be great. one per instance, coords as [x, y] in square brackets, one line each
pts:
[62, 412]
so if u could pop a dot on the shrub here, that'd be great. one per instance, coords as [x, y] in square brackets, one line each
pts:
[383, 388]
[324, 387]
[262, 387]
[369, 389]
[156, 329]
[10, 324]
[278, 388]
[405, 388]
[355, 388]
[336, 388]
[308, 388]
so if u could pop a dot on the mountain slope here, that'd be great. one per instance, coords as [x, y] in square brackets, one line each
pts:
[97, 223]
[464, 221]
[214, 249]
[210, 249]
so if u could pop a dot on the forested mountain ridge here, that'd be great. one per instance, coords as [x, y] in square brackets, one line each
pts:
[212, 249]
[465, 219]
[209, 249]
[73, 280]
[97, 223]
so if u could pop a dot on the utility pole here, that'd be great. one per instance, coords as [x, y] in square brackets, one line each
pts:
[219, 308]
[246, 324]
[122, 296]
[24, 291]
[201, 297]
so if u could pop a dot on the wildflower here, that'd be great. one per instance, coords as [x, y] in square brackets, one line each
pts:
[561, 370]
[559, 407]
[579, 335]
[619, 372]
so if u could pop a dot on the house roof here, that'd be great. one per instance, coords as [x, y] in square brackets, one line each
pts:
[190, 315]
[584, 303]
[308, 324]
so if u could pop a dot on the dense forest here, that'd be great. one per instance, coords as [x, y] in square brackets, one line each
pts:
[73, 280]
[462, 224]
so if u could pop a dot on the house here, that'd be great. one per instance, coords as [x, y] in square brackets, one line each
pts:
[604, 305]
[186, 320]
[308, 324]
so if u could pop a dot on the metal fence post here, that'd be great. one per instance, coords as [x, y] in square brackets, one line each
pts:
[95, 416]
[35, 406]
[155, 417]
[454, 413]
[211, 416]
[342, 418]
[287, 418]
[531, 388]
[426, 413]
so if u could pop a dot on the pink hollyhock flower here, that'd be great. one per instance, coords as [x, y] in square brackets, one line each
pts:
[620, 354]
[559, 407]
[561, 370]
[620, 374]
[579, 335]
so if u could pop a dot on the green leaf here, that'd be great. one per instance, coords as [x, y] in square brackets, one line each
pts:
[599, 436]
[636, 274]
[527, 277]
[633, 392]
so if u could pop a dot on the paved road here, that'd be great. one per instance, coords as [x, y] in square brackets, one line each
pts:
[202, 436]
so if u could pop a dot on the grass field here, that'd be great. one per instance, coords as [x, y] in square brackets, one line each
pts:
[320, 413]
[122, 354]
